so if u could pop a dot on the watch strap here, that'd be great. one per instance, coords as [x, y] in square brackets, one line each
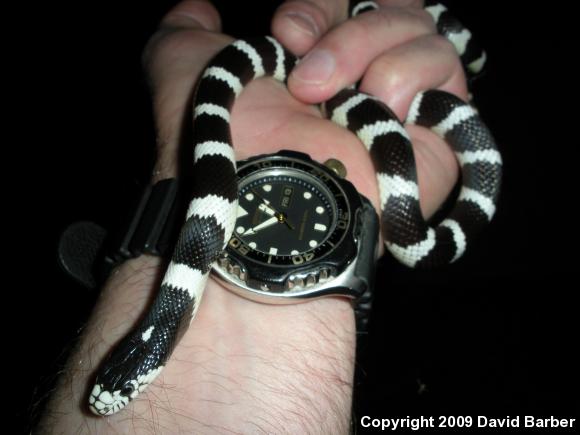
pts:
[79, 250]
[149, 227]
[152, 228]
[365, 268]
[88, 253]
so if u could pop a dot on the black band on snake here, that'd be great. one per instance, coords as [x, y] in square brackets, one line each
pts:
[211, 216]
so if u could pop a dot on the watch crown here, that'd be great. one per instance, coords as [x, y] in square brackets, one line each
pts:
[336, 166]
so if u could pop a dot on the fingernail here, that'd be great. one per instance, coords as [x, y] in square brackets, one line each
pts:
[316, 68]
[303, 22]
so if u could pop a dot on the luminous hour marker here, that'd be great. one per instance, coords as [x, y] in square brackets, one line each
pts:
[313, 243]
[252, 245]
[250, 196]
[240, 230]
[319, 210]
[267, 187]
[307, 195]
[294, 252]
[273, 251]
[320, 227]
[241, 211]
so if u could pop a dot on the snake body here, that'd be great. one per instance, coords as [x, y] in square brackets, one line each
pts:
[211, 215]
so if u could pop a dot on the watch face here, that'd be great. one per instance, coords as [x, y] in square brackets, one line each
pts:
[290, 213]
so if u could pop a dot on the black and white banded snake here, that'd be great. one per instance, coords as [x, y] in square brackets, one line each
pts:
[142, 354]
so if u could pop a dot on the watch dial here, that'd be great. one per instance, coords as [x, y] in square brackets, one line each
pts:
[284, 213]
[294, 227]
[290, 214]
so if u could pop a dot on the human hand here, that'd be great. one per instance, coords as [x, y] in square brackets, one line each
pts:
[245, 366]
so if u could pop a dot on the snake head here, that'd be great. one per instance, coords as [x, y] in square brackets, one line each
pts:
[125, 374]
[107, 398]
[106, 401]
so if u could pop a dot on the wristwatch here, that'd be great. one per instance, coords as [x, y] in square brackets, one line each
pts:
[302, 232]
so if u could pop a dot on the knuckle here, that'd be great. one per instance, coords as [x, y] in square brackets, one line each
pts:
[308, 8]
[193, 13]
[336, 10]
[445, 50]
[332, 10]
[416, 21]
[388, 72]
[421, 20]
[443, 45]
[359, 33]
[356, 33]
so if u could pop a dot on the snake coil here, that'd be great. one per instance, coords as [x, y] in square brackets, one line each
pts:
[142, 354]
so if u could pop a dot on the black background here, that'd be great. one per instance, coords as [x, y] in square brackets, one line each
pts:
[491, 335]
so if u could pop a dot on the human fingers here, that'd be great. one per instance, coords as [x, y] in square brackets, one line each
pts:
[299, 24]
[342, 56]
[399, 74]
[175, 56]
[399, 54]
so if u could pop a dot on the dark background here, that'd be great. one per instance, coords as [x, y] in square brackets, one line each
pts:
[491, 335]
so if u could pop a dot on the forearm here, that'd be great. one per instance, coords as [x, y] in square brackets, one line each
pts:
[242, 366]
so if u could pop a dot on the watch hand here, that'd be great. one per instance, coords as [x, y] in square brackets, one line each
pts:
[264, 224]
[268, 210]
[261, 198]
[285, 220]
[265, 206]
[265, 202]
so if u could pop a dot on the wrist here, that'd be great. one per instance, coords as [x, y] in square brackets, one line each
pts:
[285, 368]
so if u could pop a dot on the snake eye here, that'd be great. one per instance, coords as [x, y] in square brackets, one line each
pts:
[127, 390]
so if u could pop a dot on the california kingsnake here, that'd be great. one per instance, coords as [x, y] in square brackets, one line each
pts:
[211, 216]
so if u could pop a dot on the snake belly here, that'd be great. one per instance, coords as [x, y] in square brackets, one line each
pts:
[210, 219]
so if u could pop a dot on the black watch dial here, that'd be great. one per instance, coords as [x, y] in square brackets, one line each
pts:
[284, 214]
[287, 215]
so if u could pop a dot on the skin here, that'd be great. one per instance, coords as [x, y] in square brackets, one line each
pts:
[245, 367]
